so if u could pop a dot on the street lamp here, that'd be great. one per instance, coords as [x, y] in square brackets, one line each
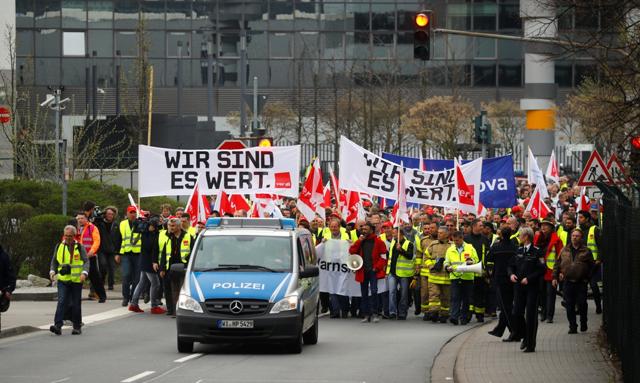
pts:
[55, 103]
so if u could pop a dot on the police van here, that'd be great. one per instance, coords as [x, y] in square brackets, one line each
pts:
[249, 280]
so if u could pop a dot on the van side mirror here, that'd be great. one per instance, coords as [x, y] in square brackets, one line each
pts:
[310, 272]
[178, 268]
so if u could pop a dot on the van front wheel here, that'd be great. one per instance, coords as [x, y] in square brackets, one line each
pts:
[311, 336]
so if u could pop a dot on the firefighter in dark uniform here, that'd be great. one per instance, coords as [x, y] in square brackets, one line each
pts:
[526, 270]
[480, 286]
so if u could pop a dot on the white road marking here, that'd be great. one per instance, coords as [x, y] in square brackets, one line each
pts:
[115, 313]
[187, 358]
[200, 381]
[137, 377]
[61, 380]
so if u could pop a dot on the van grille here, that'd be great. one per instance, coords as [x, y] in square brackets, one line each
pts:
[249, 306]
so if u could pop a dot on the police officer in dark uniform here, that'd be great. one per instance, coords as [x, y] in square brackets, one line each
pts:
[526, 270]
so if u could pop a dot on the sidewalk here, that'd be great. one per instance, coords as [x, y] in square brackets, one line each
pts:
[29, 316]
[477, 357]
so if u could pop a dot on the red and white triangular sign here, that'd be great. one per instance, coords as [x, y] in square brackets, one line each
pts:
[595, 170]
[617, 172]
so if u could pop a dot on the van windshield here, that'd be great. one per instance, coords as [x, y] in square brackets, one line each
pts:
[244, 253]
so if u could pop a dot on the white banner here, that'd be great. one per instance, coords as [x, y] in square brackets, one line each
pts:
[273, 170]
[335, 276]
[366, 172]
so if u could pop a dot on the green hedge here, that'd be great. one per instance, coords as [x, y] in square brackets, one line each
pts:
[40, 235]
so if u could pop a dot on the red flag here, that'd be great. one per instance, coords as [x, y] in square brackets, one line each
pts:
[583, 202]
[336, 188]
[353, 206]
[238, 202]
[311, 195]
[466, 197]
[552, 168]
[198, 207]
[222, 205]
[537, 207]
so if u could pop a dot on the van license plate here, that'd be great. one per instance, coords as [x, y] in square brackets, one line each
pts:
[235, 324]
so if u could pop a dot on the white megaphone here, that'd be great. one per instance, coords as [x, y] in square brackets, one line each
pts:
[476, 268]
[354, 262]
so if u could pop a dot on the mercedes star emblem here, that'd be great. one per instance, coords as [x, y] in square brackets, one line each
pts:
[235, 307]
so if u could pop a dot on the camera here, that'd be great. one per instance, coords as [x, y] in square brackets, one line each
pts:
[65, 269]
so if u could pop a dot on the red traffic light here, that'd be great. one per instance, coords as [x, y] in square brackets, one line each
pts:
[422, 20]
[635, 142]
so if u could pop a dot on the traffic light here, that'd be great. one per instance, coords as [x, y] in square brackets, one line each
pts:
[634, 159]
[422, 35]
[259, 139]
[482, 129]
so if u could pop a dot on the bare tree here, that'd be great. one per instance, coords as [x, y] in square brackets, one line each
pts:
[507, 123]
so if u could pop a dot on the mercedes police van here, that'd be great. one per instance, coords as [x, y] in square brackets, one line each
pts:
[249, 280]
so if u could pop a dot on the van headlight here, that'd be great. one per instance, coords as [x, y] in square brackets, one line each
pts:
[286, 304]
[185, 302]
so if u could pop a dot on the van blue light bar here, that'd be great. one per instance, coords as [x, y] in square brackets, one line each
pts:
[282, 223]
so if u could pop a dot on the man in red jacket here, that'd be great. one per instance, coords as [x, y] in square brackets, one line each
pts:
[371, 248]
[549, 242]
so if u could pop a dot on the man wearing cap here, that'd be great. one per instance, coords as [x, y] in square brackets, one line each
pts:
[548, 241]
[592, 241]
[127, 242]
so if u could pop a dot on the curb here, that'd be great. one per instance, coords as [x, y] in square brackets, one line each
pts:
[19, 330]
[35, 297]
[443, 368]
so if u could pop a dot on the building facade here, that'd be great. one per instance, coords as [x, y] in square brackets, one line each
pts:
[290, 44]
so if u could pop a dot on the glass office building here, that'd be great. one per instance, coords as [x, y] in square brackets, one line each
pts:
[289, 44]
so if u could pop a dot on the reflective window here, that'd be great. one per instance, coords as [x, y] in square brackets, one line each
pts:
[584, 71]
[204, 14]
[153, 13]
[228, 73]
[260, 69]
[127, 43]
[437, 76]
[125, 13]
[565, 18]
[175, 38]
[199, 72]
[333, 45]
[510, 74]
[563, 74]
[383, 17]
[104, 73]
[358, 17]
[281, 73]
[586, 18]
[24, 13]
[458, 16]
[333, 16]
[484, 74]
[459, 47]
[484, 48]
[383, 45]
[484, 16]
[24, 42]
[307, 45]
[47, 13]
[281, 15]
[357, 45]
[306, 15]
[179, 14]
[47, 71]
[459, 74]
[73, 44]
[25, 71]
[157, 45]
[159, 71]
[509, 49]
[48, 42]
[257, 45]
[229, 45]
[509, 15]
[74, 71]
[230, 15]
[172, 72]
[281, 45]
[256, 16]
[199, 44]
[100, 14]
[74, 14]
[101, 42]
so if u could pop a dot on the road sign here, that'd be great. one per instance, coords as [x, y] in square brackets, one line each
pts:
[593, 193]
[617, 172]
[232, 145]
[5, 115]
[594, 170]
[579, 148]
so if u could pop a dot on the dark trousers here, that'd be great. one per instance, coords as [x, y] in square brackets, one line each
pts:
[460, 295]
[130, 268]
[339, 305]
[548, 300]
[69, 294]
[595, 289]
[479, 299]
[415, 294]
[95, 276]
[505, 302]
[491, 298]
[172, 285]
[107, 268]
[575, 294]
[369, 304]
[383, 303]
[324, 302]
[525, 312]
